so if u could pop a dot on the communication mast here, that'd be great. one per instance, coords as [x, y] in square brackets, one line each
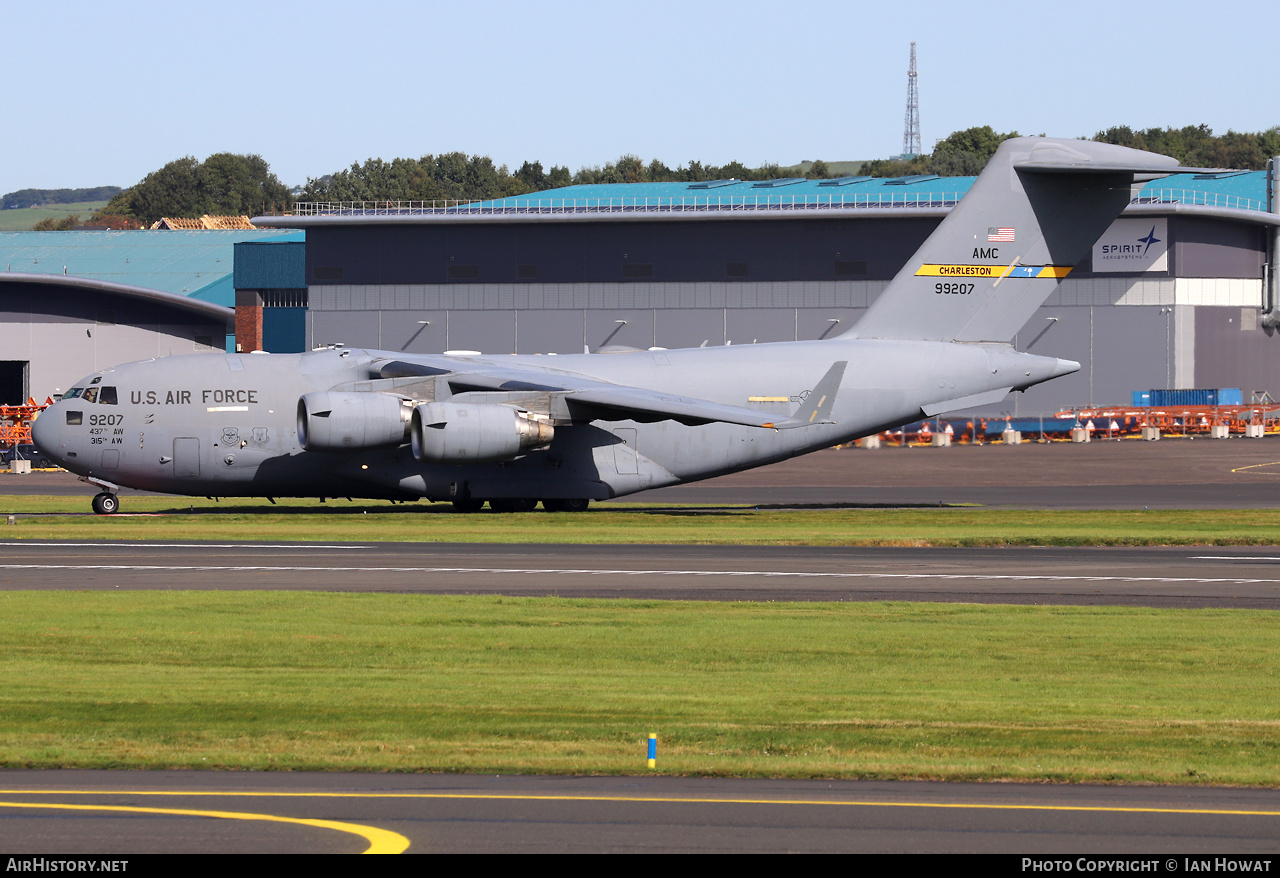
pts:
[911, 133]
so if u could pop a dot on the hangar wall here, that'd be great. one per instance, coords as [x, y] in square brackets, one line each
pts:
[64, 334]
[75, 302]
[532, 253]
[1188, 319]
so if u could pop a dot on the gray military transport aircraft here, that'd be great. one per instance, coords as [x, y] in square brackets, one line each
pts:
[513, 430]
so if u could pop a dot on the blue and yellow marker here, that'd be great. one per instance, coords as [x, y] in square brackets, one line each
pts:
[993, 271]
[653, 751]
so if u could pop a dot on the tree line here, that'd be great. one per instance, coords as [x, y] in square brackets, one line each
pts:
[961, 154]
[459, 177]
[449, 176]
[965, 153]
[1196, 146]
[224, 184]
[227, 183]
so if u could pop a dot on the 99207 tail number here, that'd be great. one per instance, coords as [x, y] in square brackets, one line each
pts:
[953, 289]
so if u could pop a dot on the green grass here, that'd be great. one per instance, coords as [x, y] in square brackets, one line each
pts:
[23, 218]
[192, 519]
[437, 683]
[488, 684]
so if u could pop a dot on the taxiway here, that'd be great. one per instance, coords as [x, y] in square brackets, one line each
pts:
[117, 813]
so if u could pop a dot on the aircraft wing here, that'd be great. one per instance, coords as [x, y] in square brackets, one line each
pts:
[637, 404]
[592, 399]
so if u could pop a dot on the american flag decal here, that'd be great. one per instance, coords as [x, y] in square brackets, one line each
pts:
[1001, 235]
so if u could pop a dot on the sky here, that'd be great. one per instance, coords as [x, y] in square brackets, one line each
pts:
[102, 94]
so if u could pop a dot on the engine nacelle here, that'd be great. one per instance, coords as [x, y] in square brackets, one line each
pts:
[450, 432]
[333, 421]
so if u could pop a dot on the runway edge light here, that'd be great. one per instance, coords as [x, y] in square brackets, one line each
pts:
[653, 751]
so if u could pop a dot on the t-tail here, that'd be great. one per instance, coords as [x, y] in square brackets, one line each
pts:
[1030, 217]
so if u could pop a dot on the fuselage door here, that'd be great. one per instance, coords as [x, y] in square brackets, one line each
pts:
[186, 458]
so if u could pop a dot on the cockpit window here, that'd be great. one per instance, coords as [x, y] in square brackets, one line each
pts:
[91, 395]
[96, 380]
[75, 419]
[73, 393]
[107, 396]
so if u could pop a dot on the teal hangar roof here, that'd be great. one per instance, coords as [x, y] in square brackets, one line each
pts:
[937, 191]
[195, 264]
[1240, 189]
[1239, 194]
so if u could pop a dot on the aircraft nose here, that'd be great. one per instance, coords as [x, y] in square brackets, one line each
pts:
[45, 433]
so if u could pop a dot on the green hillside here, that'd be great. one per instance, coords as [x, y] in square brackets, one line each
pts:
[22, 219]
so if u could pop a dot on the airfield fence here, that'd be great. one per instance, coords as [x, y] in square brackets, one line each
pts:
[1200, 198]
[692, 203]
[712, 203]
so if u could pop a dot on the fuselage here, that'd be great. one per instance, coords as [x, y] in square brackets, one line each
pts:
[226, 424]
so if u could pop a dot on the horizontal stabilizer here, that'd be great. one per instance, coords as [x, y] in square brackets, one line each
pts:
[973, 400]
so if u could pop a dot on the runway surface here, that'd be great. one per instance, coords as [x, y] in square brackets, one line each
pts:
[1169, 474]
[1246, 577]
[118, 813]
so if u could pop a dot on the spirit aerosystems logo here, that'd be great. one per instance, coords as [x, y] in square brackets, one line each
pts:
[1133, 245]
[1137, 250]
[1149, 240]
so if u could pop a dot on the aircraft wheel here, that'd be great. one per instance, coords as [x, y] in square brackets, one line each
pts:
[513, 504]
[106, 503]
[576, 505]
[468, 505]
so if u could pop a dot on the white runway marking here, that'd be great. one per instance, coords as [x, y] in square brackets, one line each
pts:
[554, 571]
[1235, 558]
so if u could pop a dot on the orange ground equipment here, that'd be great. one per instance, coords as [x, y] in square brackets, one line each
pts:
[15, 424]
[1183, 419]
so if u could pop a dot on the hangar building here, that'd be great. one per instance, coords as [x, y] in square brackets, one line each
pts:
[731, 262]
[74, 302]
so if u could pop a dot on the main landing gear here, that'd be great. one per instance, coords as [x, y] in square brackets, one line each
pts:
[521, 504]
[566, 505]
[106, 503]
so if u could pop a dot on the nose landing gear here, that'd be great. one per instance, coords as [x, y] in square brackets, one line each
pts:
[106, 503]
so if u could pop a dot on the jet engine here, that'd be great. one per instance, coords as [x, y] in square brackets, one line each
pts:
[332, 421]
[448, 432]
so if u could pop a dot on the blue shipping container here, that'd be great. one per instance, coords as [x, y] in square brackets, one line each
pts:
[1174, 398]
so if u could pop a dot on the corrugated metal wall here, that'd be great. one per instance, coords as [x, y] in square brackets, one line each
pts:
[263, 266]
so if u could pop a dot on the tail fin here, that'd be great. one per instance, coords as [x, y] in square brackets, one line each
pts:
[1031, 215]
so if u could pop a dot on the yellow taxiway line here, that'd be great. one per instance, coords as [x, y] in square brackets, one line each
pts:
[553, 797]
[1241, 469]
[381, 841]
